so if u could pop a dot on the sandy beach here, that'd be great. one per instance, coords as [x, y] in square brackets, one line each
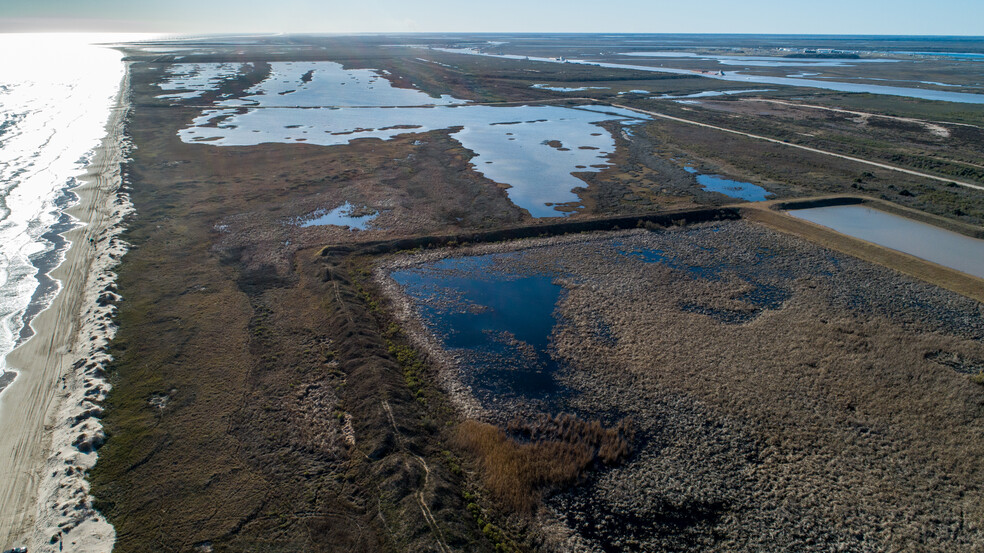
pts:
[49, 415]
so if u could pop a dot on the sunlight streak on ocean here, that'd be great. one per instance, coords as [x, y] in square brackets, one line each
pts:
[56, 93]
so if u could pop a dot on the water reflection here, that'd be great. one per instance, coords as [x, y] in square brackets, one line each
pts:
[343, 216]
[533, 149]
[732, 188]
[925, 94]
[497, 322]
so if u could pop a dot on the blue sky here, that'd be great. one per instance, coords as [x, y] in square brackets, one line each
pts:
[940, 17]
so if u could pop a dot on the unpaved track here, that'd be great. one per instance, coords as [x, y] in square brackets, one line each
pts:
[28, 407]
[807, 148]
[859, 113]
[424, 509]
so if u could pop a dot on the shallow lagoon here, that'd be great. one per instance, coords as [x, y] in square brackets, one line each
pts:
[567, 88]
[925, 94]
[762, 61]
[191, 80]
[972, 56]
[735, 189]
[922, 93]
[922, 240]
[710, 93]
[325, 83]
[534, 149]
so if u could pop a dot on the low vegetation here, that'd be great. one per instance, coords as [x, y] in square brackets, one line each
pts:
[264, 401]
[520, 463]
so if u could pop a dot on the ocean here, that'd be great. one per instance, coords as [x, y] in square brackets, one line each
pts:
[56, 94]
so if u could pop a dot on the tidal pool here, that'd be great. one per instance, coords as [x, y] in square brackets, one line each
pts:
[341, 216]
[922, 240]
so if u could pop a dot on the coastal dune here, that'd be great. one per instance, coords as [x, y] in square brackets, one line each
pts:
[49, 427]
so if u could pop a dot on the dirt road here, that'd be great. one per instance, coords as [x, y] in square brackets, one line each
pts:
[807, 148]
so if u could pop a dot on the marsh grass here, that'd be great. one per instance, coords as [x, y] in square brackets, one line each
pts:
[520, 463]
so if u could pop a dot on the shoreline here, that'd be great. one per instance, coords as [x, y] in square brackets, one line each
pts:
[52, 408]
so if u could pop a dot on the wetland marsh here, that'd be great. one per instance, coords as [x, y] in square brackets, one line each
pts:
[680, 331]
[530, 149]
[327, 267]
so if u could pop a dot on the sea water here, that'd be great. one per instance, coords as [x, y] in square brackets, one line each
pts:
[56, 95]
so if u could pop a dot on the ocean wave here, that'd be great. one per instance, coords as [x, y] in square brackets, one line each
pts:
[55, 100]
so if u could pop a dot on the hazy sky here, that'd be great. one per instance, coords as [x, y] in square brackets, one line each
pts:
[939, 17]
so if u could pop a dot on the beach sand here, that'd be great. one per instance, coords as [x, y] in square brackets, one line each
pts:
[49, 415]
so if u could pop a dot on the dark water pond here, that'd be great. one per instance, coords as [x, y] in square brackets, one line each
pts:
[497, 321]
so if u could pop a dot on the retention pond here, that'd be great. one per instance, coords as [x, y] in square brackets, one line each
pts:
[922, 240]
[496, 320]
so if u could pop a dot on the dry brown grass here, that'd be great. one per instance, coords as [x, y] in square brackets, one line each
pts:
[518, 466]
[845, 415]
